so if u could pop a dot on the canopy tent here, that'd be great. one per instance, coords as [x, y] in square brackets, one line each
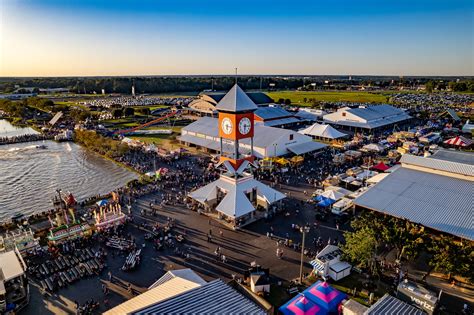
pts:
[373, 147]
[332, 194]
[323, 201]
[320, 298]
[297, 159]
[365, 175]
[459, 141]
[282, 161]
[102, 202]
[380, 167]
[300, 305]
[325, 296]
[322, 131]
[306, 147]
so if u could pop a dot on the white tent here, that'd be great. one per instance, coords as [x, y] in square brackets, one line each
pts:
[374, 147]
[322, 131]
[331, 194]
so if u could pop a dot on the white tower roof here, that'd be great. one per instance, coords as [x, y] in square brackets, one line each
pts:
[236, 100]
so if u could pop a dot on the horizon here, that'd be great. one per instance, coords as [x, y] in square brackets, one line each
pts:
[53, 38]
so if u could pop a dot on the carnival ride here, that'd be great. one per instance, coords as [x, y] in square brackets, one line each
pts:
[167, 115]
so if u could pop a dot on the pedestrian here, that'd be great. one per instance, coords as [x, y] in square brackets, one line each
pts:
[221, 233]
[210, 231]
[110, 276]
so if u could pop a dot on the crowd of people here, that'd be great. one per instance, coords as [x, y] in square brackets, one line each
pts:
[127, 101]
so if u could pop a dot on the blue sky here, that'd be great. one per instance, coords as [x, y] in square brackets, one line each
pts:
[125, 37]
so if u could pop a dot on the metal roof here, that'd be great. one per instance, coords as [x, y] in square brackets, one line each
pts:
[454, 156]
[235, 204]
[302, 148]
[375, 116]
[438, 164]
[272, 113]
[215, 297]
[187, 274]
[169, 289]
[256, 97]
[236, 101]
[280, 122]
[389, 305]
[439, 202]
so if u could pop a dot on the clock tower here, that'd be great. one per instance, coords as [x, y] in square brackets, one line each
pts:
[235, 112]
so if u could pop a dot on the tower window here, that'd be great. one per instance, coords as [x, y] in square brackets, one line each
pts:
[291, 137]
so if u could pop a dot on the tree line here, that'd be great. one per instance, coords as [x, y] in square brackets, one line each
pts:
[173, 84]
[100, 144]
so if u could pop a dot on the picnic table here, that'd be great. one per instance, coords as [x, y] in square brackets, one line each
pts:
[133, 259]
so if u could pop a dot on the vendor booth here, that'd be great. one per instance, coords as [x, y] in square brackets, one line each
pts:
[328, 264]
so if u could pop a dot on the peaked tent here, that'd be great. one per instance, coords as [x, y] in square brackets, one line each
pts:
[320, 298]
[325, 296]
[459, 141]
[300, 305]
[332, 194]
[322, 131]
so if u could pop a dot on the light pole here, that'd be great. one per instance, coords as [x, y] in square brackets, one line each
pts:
[303, 230]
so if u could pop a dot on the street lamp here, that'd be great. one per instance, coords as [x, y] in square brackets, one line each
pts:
[303, 230]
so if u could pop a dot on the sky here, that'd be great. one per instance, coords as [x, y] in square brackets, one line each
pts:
[157, 37]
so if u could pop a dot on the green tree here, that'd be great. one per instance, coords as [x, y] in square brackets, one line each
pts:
[117, 113]
[129, 111]
[429, 86]
[360, 247]
[288, 102]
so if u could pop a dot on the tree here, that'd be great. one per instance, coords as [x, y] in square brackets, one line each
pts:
[429, 86]
[129, 111]
[360, 247]
[281, 101]
[144, 110]
[288, 102]
[117, 113]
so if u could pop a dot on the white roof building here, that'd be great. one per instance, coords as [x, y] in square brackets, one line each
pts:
[235, 202]
[371, 117]
[11, 265]
[322, 131]
[268, 141]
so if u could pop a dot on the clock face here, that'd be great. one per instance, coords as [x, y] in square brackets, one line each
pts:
[227, 126]
[244, 126]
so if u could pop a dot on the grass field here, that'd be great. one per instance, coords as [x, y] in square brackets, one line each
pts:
[298, 97]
